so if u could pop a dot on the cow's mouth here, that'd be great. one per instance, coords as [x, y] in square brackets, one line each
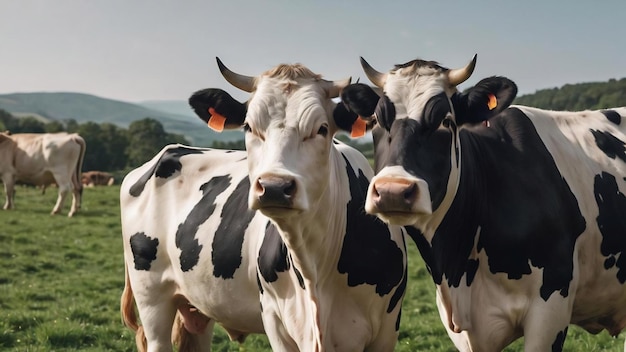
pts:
[279, 211]
[399, 217]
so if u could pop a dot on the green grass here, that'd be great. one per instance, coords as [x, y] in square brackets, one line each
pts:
[61, 280]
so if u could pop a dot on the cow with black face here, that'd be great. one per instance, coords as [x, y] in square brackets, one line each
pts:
[518, 212]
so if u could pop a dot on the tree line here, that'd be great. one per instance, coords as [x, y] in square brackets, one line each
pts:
[577, 97]
[112, 148]
[109, 147]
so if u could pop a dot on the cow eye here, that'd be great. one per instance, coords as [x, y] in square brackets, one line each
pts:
[248, 129]
[323, 131]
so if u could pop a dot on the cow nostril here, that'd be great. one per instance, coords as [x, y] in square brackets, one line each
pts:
[411, 193]
[375, 193]
[258, 187]
[290, 188]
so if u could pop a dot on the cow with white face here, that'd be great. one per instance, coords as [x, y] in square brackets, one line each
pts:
[328, 276]
[334, 286]
[42, 159]
[518, 212]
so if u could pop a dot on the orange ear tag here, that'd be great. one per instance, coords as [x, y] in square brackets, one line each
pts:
[358, 128]
[492, 102]
[216, 121]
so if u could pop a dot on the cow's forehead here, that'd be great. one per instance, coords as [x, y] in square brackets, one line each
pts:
[410, 88]
[282, 101]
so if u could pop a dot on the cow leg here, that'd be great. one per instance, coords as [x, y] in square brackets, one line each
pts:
[76, 200]
[490, 332]
[60, 200]
[276, 334]
[9, 190]
[157, 319]
[459, 339]
[64, 190]
[77, 194]
[545, 327]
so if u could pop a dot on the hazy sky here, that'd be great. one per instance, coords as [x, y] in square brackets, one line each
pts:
[165, 50]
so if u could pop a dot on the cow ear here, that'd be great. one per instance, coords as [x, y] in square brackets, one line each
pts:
[355, 112]
[486, 99]
[218, 109]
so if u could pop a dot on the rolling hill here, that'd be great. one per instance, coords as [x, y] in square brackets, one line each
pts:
[84, 107]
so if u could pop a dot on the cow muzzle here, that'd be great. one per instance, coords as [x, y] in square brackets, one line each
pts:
[273, 192]
[398, 200]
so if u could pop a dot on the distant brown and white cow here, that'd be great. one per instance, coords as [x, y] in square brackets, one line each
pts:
[520, 213]
[43, 159]
[97, 178]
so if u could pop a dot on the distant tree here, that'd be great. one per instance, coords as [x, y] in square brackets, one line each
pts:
[176, 138]
[6, 120]
[53, 127]
[96, 157]
[115, 141]
[230, 145]
[145, 138]
[71, 126]
[29, 124]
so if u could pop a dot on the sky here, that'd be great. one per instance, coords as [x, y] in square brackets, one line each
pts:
[142, 50]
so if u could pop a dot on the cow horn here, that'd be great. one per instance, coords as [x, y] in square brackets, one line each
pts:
[245, 83]
[376, 77]
[460, 75]
[337, 86]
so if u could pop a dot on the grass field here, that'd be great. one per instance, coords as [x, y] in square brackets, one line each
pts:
[61, 279]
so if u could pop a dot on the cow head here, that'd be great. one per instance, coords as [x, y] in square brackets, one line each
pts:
[418, 116]
[289, 127]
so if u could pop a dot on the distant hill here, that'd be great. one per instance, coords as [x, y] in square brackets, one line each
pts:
[176, 107]
[85, 107]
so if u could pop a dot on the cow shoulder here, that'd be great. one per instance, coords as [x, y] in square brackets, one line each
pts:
[164, 165]
[273, 253]
[228, 241]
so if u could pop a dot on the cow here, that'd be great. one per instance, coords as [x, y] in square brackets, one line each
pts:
[43, 159]
[274, 239]
[189, 246]
[97, 178]
[518, 212]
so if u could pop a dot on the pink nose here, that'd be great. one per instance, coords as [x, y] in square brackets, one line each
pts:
[275, 191]
[394, 195]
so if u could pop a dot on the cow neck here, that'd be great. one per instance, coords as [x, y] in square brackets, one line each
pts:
[449, 235]
[315, 238]
[448, 247]
[428, 224]
[314, 243]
